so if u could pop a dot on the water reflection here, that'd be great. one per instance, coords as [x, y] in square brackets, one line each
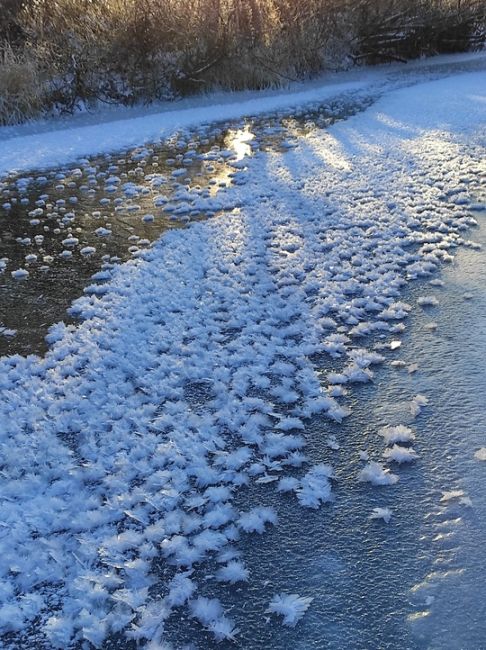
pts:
[239, 141]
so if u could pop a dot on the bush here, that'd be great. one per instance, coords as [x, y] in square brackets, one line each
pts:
[21, 95]
[61, 55]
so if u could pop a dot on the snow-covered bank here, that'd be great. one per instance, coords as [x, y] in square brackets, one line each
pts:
[195, 373]
[59, 142]
[60, 147]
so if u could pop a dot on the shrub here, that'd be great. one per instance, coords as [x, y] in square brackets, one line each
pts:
[21, 95]
[61, 55]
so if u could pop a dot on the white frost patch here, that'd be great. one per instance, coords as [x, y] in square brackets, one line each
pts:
[399, 454]
[480, 454]
[381, 513]
[315, 487]
[332, 443]
[206, 610]
[8, 333]
[417, 404]
[396, 311]
[288, 484]
[456, 495]
[399, 433]
[289, 424]
[428, 301]
[398, 363]
[291, 606]
[209, 612]
[86, 251]
[181, 589]
[376, 474]
[20, 274]
[233, 572]
[223, 628]
[254, 521]
[102, 232]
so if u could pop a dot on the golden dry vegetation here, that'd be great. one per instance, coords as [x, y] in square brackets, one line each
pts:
[58, 55]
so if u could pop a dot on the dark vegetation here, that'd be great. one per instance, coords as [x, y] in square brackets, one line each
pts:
[60, 55]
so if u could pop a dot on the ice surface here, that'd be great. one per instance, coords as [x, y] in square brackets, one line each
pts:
[194, 373]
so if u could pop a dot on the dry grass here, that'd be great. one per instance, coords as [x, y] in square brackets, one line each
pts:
[21, 95]
[127, 51]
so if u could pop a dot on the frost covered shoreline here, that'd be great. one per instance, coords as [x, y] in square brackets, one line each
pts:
[193, 375]
[48, 143]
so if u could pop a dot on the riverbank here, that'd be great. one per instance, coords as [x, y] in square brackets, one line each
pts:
[45, 144]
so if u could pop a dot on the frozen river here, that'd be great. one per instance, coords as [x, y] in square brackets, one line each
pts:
[233, 378]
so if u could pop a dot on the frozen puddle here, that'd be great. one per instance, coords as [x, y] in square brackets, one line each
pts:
[252, 435]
